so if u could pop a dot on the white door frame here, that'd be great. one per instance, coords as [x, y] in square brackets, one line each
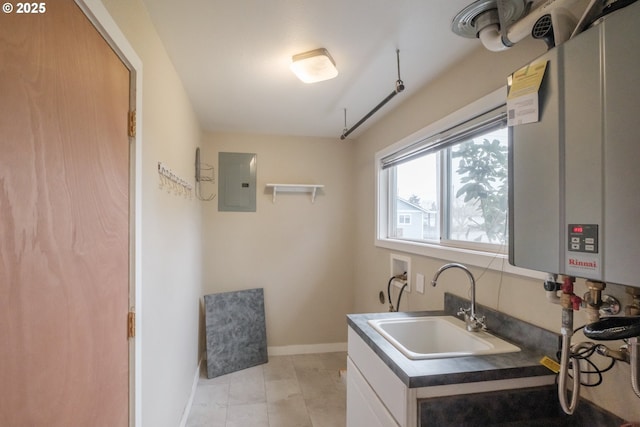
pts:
[106, 26]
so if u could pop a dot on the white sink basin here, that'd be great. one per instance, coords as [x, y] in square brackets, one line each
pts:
[438, 337]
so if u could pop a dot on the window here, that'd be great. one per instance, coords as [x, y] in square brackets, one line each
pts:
[447, 185]
[477, 188]
[404, 219]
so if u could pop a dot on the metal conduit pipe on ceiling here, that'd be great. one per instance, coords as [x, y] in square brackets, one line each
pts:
[399, 88]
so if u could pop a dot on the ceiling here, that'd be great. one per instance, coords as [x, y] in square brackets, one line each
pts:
[233, 57]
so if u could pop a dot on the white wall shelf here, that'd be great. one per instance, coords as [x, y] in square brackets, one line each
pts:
[295, 188]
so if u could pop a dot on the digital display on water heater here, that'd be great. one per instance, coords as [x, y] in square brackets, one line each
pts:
[583, 238]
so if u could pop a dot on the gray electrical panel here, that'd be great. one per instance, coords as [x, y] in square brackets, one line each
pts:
[574, 175]
[237, 182]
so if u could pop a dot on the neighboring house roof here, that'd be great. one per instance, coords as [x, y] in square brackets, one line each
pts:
[410, 206]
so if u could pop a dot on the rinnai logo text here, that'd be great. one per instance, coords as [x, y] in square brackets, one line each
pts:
[584, 264]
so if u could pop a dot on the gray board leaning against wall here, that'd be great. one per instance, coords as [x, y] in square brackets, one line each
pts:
[236, 333]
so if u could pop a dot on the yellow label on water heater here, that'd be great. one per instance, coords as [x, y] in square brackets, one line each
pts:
[522, 98]
[550, 364]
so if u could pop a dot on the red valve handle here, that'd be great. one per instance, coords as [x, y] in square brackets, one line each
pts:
[576, 301]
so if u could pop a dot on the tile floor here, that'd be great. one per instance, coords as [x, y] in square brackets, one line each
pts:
[289, 391]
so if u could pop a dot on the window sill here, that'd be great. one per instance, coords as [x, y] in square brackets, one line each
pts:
[491, 261]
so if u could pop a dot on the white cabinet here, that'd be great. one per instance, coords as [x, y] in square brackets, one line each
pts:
[364, 408]
[377, 397]
[392, 395]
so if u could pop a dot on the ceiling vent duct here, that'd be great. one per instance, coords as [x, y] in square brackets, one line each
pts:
[499, 24]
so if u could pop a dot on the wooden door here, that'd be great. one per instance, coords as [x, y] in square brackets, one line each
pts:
[64, 222]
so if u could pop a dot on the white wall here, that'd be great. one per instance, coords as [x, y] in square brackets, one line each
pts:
[171, 225]
[300, 253]
[475, 76]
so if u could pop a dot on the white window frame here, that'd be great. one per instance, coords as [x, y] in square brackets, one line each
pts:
[479, 257]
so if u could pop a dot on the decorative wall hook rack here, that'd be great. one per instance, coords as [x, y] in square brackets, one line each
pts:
[172, 182]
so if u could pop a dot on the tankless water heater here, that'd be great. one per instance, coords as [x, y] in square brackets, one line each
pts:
[574, 205]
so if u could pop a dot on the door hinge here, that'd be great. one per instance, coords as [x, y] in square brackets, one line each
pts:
[131, 324]
[132, 123]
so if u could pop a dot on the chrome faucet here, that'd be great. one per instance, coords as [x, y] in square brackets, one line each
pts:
[474, 324]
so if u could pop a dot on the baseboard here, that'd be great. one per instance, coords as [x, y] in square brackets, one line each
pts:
[194, 387]
[288, 350]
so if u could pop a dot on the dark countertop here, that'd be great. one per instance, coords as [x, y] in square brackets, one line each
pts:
[457, 370]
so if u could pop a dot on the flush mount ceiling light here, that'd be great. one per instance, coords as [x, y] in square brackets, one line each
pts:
[314, 66]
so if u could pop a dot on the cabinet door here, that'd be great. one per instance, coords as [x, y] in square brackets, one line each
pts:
[364, 408]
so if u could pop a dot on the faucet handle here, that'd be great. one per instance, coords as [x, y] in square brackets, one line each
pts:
[463, 312]
[475, 324]
[482, 321]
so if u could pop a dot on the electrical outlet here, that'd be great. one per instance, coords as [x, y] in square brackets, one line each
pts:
[420, 283]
